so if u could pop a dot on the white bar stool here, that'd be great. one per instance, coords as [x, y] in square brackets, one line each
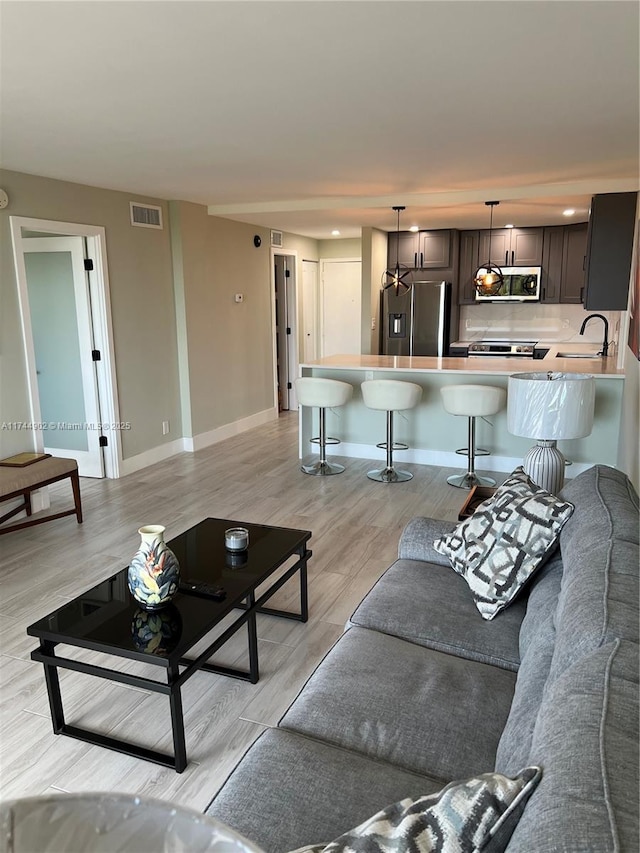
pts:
[324, 394]
[390, 395]
[472, 401]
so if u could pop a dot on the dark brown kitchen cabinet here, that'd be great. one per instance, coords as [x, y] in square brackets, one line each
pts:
[563, 262]
[469, 253]
[512, 247]
[609, 250]
[424, 250]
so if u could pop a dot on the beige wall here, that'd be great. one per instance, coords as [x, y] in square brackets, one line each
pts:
[374, 263]
[225, 346]
[142, 308]
[329, 249]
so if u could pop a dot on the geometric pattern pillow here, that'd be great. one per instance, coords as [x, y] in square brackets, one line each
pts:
[508, 537]
[477, 815]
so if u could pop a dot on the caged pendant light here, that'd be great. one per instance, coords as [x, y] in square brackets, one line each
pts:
[488, 278]
[400, 277]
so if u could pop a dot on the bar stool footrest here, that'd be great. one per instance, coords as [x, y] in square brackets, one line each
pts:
[397, 445]
[316, 440]
[480, 451]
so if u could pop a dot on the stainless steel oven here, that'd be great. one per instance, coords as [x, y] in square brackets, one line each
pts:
[519, 284]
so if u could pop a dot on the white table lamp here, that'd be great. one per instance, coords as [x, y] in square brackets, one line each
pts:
[548, 407]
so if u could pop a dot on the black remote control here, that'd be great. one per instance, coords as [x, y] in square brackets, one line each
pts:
[213, 591]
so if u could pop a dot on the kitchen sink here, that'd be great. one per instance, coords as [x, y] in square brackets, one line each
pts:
[578, 355]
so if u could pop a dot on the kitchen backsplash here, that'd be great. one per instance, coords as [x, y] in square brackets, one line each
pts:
[534, 323]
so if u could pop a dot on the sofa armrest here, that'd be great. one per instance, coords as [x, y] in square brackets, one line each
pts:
[416, 541]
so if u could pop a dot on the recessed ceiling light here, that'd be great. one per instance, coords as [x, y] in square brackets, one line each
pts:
[568, 212]
[414, 228]
[510, 225]
[335, 233]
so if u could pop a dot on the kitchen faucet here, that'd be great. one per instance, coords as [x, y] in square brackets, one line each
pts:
[605, 343]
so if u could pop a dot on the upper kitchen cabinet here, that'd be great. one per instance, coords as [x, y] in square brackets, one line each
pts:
[423, 250]
[609, 250]
[469, 254]
[512, 247]
[563, 263]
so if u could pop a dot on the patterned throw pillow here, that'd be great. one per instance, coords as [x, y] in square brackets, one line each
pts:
[465, 817]
[509, 536]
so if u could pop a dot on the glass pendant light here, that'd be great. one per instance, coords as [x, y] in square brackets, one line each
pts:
[488, 277]
[400, 277]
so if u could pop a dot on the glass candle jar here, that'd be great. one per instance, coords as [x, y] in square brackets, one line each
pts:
[236, 539]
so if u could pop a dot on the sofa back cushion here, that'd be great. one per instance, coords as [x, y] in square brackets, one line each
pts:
[598, 599]
[586, 741]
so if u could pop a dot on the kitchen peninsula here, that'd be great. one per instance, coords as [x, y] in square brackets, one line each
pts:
[433, 435]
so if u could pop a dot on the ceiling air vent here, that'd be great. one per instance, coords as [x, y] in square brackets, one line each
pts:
[145, 215]
[276, 238]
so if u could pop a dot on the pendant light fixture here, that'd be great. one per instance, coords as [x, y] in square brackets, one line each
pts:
[400, 277]
[488, 277]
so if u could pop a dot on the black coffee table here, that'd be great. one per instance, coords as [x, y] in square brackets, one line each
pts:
[107, 619]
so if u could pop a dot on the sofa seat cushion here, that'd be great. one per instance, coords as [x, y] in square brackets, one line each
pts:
[477, 814]
[290, 790]
[430, 605]
[417, 708]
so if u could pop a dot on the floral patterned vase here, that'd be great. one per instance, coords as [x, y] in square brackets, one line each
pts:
[154, 572]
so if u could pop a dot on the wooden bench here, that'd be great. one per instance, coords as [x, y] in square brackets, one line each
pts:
[20, 482]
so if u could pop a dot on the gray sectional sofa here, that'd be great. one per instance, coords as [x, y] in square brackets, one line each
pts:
[420, 691]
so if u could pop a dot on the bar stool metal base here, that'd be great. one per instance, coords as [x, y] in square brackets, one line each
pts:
[469, 480]
[322, 468]
[389, 475]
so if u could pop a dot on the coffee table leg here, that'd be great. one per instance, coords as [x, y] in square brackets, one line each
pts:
[53, 688]
[252, 628]
[304, 596]
[177, 721]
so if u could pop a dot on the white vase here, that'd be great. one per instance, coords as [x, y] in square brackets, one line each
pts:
[154, 572]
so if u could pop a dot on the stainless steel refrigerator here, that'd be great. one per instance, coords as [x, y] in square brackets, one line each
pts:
[416, 322]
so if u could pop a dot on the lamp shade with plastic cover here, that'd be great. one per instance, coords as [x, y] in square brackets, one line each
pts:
[551, 406]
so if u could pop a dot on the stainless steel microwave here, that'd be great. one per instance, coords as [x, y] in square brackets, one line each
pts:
[519, 284]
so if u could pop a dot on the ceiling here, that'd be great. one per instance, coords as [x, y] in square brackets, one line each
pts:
[312, 115]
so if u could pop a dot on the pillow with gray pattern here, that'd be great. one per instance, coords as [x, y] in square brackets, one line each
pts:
[479, 814]
[508, 537]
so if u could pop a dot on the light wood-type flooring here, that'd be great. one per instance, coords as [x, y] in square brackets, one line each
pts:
[254, 477]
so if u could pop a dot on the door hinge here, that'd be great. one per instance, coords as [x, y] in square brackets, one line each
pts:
[88, 264]
[103, 441]
[288, 330]
[289, 386]
[95, 355]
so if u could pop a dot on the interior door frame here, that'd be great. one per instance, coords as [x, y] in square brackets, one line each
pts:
[100, 307]
[292, 315]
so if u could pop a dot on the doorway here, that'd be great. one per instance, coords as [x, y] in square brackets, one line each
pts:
[66, 324]
[286, 350]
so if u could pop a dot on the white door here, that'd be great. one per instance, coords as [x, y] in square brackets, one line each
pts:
[341, 307]
[310, 310]
[63, 346]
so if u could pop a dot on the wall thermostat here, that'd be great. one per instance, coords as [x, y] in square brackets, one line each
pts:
[257, 241]
[4, 199]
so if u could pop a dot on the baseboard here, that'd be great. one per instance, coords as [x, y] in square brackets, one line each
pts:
[205, 439]
[150, 457]
[442, 458]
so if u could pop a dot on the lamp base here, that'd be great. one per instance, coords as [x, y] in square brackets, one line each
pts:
[545, 465]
